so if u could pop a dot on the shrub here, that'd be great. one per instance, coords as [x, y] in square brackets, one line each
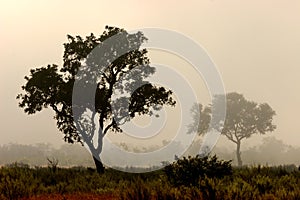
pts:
[136, 190]
[188, 171]
[16, 180]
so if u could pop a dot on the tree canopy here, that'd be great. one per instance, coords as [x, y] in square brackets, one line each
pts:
[52, 86]
[244, 118]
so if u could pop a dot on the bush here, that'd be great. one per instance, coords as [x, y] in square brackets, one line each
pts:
[16, 181]
[188, 171]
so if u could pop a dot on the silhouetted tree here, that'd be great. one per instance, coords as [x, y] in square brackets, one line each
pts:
[52, 87]
[245, 118]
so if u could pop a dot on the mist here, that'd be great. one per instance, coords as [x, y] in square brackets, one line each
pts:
[272, 152]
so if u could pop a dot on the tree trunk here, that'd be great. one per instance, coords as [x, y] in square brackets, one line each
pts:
[99, 165]
[238, 153]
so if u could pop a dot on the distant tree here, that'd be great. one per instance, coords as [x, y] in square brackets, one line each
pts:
[200, 125]
[52, 87]
[202, 118]
[245, 118]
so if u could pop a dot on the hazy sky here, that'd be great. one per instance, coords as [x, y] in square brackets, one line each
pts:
[255, 44]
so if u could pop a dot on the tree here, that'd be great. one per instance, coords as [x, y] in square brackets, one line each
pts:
[245, 118]
[200, 125]
[202, 118]
[52, 87]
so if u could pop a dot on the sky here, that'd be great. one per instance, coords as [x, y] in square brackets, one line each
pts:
[255, 45]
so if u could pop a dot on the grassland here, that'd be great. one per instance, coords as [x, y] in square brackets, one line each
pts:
[19, 181]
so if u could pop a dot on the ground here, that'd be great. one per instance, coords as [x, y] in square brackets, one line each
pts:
[82, 196]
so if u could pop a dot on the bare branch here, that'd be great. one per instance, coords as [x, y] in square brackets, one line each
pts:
[108, 127]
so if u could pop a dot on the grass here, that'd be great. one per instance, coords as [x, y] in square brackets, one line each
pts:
[19, 181]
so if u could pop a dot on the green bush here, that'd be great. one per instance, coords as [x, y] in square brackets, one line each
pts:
[16, 181]
[188, 171]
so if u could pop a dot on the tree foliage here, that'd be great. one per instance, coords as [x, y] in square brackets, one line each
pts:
[245, 118]
[52, 86]
[188, 171]
[202, 118]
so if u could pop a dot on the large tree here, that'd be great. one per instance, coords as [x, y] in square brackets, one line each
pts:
[53, 86]
[245, 118]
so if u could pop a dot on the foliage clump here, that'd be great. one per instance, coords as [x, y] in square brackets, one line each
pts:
[188, 171]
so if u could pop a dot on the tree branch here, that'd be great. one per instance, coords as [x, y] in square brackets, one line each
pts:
[229, 136]
[108, 127]
[101, 121]
[93, 129]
